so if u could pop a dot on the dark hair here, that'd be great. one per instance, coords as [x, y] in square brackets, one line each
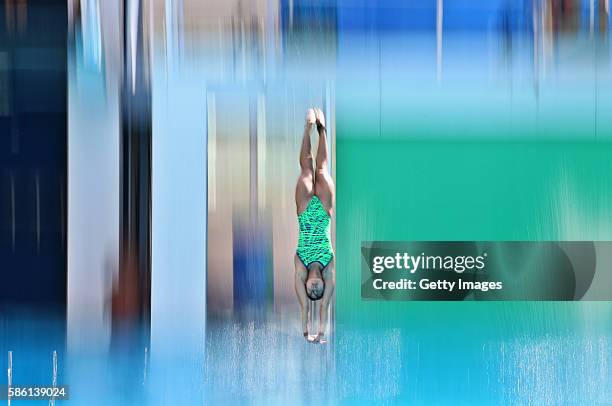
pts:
[317, 297]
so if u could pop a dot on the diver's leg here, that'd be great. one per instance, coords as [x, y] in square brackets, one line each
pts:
[300, 289]
[306, 148]
[305, 183]
[324, 184]
[322, 150]
[329, 276]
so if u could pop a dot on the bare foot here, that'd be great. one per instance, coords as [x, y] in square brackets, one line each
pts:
[311, 118]
[320, 117]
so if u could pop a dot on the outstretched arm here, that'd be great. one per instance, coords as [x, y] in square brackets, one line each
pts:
[329, 276]
[300, 290]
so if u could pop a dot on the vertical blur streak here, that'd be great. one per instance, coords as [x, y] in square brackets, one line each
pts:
[439, 23]
[32, 156]
[10, 373]
[37, 194]
[54, 377]
[536, 43]
[261, 151]
[174, 101]
[91, 31]
[16, 15]
[212, 151]
[253, 164]
[131, 298]
[179, 209]
[93, 220]
[174, 26]
[13, 211]
[591, 17]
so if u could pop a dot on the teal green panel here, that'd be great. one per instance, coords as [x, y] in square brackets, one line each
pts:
[396, 189]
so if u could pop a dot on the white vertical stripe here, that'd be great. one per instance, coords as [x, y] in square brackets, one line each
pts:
[10, 373]
[439, 21]
[211, 108]
[591, 17]
[261, 150]
[133, 27]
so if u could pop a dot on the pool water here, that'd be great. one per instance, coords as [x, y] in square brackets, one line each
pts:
[270, 363]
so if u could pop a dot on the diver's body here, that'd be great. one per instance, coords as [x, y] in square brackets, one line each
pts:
[314, 199]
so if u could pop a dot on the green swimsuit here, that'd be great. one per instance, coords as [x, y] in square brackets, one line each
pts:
[314, 243]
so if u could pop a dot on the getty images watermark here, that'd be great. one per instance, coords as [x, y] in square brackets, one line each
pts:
[485, 270]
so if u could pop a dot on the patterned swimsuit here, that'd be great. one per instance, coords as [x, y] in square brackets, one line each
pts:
[314, 243]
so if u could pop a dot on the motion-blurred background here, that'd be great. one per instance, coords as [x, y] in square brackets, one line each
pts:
[148, 154]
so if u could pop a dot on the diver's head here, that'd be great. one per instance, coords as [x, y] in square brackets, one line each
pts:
[315, 285]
